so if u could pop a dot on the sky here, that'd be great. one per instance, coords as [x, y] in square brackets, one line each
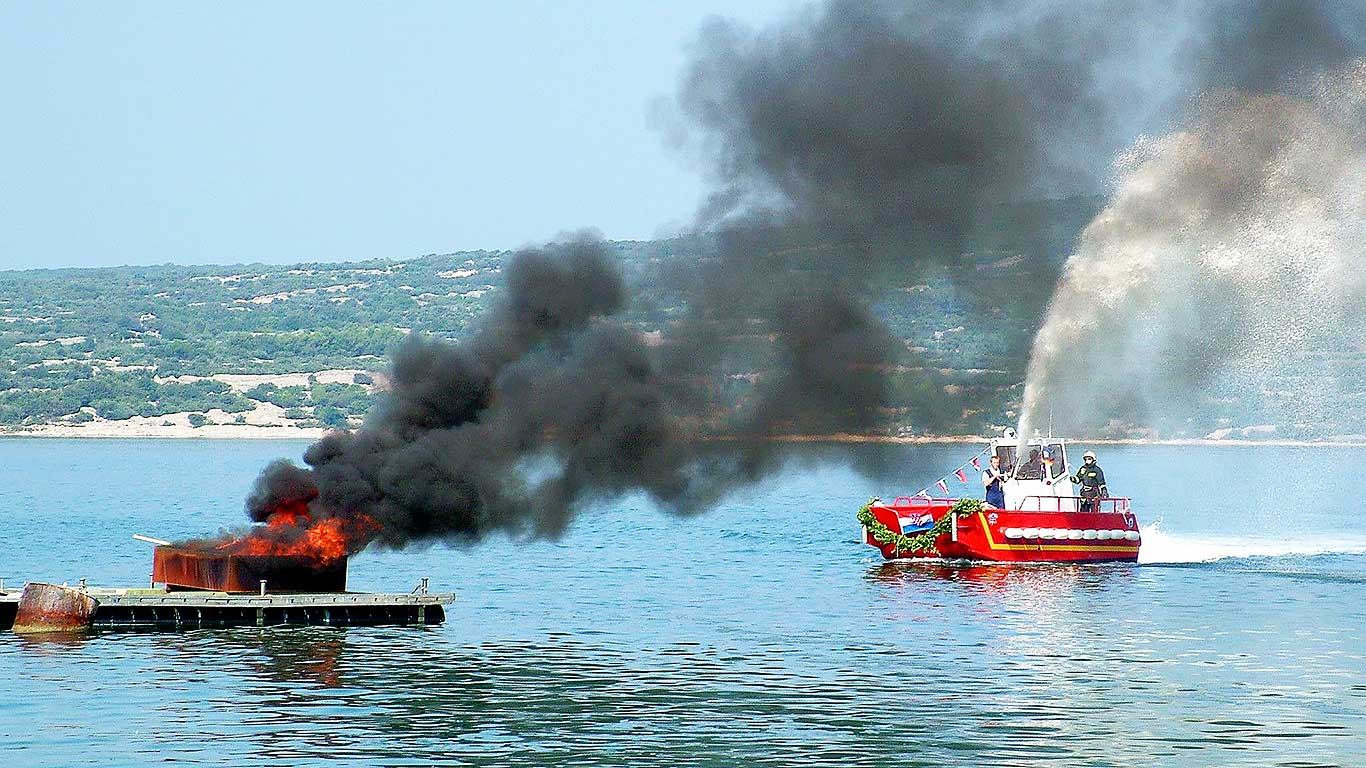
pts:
[203, 133]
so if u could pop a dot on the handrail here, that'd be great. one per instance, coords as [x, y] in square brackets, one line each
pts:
[1117, 504]
[918, 501]
[1106, 504]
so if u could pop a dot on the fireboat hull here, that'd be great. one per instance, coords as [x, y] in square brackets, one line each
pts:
[1109, 534]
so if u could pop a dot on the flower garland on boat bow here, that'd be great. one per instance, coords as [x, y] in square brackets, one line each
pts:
[920, 542]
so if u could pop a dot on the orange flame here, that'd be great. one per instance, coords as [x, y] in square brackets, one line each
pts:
[292, 532]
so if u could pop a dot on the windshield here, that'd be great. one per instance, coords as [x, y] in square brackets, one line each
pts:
[1032, 467]
[1056, 460]
[1006, 453]
[1040, 461]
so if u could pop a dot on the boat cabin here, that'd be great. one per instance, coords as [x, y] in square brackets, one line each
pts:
[1036, 472]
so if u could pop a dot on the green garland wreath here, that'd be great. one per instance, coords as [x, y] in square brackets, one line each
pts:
[920, 542]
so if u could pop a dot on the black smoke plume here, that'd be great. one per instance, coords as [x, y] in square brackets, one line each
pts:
[547, 401]
[281, 486]
[1267, 45]
[849, 144]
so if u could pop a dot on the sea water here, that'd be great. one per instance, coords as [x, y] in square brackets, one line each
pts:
[760, 633]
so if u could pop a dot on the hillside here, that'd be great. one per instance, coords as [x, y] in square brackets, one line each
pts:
[235, 344]
[274, 349]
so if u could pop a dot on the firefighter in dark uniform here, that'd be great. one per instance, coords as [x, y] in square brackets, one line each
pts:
[1092, 482]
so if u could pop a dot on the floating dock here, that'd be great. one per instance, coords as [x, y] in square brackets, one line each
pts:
[53, 608]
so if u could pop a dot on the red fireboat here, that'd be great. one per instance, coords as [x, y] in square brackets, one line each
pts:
[1044, 520]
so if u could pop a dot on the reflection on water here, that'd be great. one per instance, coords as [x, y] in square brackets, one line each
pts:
[394, 696]
[50, 642]
[758, 634]
[1005, 577]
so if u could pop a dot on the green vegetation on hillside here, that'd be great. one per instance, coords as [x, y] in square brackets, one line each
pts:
[76, 344]
[84, 344]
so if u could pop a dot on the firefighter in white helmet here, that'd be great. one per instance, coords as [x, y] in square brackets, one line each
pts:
[1092, 481]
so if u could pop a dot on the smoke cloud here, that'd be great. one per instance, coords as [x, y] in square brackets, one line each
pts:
[856, 144]
[849, 144]
[1268, 45]
[916, 117]
[548, 400]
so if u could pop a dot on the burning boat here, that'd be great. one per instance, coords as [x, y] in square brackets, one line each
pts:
[187, 568]
[290, 552]
[1042, 519]
[290, 570]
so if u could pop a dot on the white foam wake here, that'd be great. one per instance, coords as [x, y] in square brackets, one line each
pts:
[1160, 546]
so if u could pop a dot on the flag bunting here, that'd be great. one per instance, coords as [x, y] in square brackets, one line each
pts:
[960, 473]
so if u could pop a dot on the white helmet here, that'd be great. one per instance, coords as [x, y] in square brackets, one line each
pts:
[1089, 455]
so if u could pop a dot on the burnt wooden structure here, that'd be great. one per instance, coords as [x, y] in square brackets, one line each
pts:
[215, 571]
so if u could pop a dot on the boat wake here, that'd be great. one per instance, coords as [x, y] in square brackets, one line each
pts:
[1159, 546]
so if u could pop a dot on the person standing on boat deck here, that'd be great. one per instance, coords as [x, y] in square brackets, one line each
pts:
[991, 480]
[1092, 482]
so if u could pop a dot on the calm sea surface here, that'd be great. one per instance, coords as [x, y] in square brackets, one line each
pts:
[761, 633]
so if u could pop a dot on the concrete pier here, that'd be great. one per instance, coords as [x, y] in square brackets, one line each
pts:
[163, 609]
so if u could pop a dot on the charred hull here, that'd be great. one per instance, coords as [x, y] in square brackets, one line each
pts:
[181, 568]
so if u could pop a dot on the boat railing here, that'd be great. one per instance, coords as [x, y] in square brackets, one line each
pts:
[1109, 504]
[919, 501]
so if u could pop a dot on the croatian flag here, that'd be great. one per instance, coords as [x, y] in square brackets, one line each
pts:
[961, 475]
[915, 523]
[943, 486]
[977, 465]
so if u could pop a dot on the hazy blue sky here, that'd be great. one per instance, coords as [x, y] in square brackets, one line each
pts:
[198, 132]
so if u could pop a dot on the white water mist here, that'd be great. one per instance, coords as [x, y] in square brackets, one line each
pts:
[1224, 281]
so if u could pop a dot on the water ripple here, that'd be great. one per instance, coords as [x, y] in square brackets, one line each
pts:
[737, 643]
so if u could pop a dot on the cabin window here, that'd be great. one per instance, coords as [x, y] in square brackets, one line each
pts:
[1059, 463]
[1032, 467]
[1006, 453]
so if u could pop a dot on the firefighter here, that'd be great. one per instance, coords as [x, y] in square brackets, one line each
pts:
[1092, 482]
